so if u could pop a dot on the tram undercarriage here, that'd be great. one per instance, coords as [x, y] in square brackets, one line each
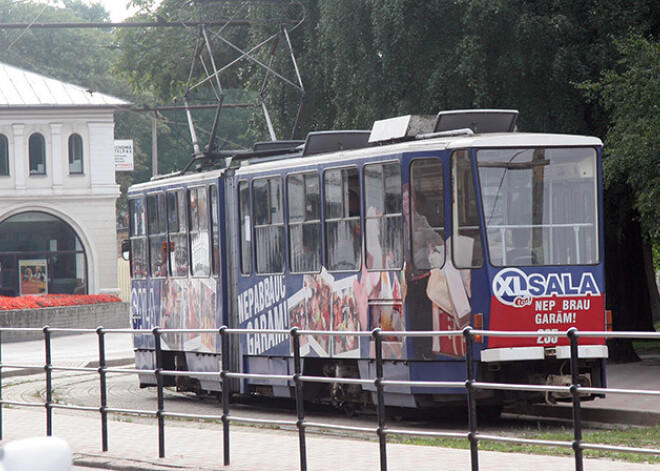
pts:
[358, 398]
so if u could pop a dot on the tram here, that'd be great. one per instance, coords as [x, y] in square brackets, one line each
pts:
[424, 223]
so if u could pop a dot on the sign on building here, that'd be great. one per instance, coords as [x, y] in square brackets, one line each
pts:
[124, 155]
[33, 276]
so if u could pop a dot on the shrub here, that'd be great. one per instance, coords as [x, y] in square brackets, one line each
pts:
[54, 300]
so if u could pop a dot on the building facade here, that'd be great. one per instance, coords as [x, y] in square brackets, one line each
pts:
[57, 186]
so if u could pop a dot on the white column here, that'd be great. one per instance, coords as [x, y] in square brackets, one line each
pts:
[57, 163]
[20, 156]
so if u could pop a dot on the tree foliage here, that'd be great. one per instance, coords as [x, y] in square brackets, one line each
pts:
[631, 93]
[573, 66]
[375, 58]
[80, 56]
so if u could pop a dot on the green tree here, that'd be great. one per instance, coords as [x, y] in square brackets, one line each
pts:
[630, 91]
[80, 56]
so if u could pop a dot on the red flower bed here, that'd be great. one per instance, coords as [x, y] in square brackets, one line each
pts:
[54, 300]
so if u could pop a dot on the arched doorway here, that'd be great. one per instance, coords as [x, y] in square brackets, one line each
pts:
[36, 239]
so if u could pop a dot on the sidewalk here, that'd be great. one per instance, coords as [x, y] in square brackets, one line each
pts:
[134, 446]
[71, 350]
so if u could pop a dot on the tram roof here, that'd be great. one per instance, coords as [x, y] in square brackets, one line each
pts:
[288, 161]
[495, 140]
[177, 179]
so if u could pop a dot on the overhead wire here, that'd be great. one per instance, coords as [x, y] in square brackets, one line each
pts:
[11, 45]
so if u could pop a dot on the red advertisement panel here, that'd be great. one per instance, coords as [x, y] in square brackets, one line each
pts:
[548, 304]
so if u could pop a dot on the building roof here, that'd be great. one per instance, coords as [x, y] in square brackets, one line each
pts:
[22, 89]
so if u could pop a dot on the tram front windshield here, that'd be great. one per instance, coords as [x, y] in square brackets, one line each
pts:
[540, 205]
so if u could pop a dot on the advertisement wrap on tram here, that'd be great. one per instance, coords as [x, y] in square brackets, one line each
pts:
[400, 230]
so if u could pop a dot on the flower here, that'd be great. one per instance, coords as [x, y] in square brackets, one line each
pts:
[54, 300]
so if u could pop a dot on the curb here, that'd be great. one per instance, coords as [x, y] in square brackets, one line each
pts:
[124, 464]
[40, 369]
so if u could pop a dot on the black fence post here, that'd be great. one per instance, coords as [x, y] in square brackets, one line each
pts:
[161, 400]
[380, 393]
[48, 368]
[224, 338]
[103, 409]
[300, 409]
[575, 393]
[471, 397]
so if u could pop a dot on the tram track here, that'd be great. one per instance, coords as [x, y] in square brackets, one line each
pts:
[82, 390]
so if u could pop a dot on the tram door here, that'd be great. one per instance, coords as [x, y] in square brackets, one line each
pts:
[426, 288]
[446, 247]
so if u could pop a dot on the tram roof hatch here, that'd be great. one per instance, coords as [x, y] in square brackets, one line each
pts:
[445, 123]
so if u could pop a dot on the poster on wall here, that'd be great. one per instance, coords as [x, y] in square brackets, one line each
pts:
[124, 155]
[33, 277]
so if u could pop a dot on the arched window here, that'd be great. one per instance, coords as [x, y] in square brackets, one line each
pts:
[4, 155]
[37, 149]
[33, 239]
[75, 154]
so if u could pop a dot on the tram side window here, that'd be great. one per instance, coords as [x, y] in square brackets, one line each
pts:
[178, 234]
[466, 237]
[245, 228]
[304, 217]
[342, 219]
[215, 241]
[138, 237]
[383, 218]
[268, 225]
[156, 218]
[199, 231]
[427, 214]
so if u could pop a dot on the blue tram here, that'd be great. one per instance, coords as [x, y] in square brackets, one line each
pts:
[424, 223]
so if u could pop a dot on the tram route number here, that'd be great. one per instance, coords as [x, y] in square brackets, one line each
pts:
[546, 339]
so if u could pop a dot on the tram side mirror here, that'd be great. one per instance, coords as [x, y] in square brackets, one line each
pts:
[126, 249]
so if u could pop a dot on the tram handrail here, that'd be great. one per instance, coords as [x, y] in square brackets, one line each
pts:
[380, 382]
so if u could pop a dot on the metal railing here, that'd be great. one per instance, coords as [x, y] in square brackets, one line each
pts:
[298, 379]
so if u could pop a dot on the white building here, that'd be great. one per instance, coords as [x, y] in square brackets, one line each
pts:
[57, 186]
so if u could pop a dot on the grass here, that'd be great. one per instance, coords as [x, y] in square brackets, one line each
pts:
[634, 437]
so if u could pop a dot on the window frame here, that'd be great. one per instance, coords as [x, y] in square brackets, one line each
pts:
[42, 157]
[181, 231]
[244, 244]
[281, 226]
[456, 205]
[4, 156]
[381, 218]
[192, 231]
[410, 223]
[344, 217]
[214, 228]
[76, 143]
[304, 222]
[591, 220]
[138, 235]
[157, 233]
